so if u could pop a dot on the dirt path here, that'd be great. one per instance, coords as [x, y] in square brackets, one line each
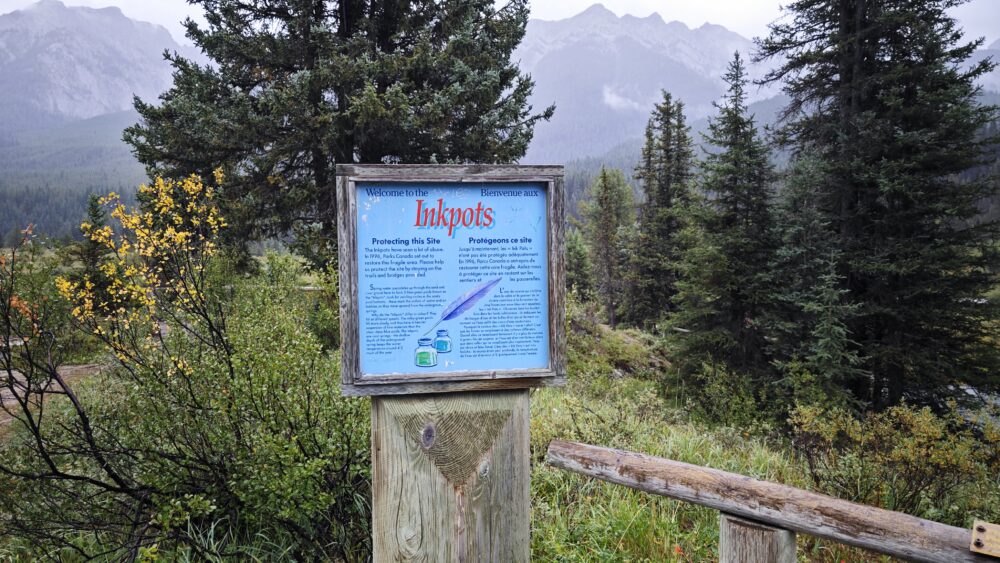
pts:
[70, 374]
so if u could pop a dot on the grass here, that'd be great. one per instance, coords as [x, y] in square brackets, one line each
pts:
[614, 399]
[575, 518]
[72, 374]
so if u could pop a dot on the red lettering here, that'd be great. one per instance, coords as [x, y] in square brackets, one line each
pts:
[452, 217]
[420, 204]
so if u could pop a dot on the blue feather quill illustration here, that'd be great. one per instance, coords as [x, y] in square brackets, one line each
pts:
[465, 302]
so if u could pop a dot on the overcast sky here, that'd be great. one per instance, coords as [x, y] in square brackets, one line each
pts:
[746, 17]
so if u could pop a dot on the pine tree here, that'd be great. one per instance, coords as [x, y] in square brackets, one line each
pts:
[665, 173]
[881, 94]
[830, 357]
[298, 86]
[90, 253]
[727, 284]
[608, 215]
[579, 270]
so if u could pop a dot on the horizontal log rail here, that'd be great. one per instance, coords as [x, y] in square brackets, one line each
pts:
[774, 504]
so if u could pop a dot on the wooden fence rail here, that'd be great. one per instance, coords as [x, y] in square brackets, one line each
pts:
[758, 516]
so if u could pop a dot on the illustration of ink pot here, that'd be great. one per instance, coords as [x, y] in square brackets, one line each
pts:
[429, 348]
[443, 342]
[426, 355]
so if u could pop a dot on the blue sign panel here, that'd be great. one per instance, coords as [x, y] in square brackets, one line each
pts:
[452, 277]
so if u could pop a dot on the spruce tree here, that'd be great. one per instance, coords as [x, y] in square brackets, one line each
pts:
[89, 253]
[881, 94]
[726, 283]
[665, 173]
[298, 86]
[809, 316]
[579, 270]
[608, 215]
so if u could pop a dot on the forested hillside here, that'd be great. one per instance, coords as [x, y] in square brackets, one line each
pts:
[50, 158]
[47, 174]
[581, 172]
[67, 80]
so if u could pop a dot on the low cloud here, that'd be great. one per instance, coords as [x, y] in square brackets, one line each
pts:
[618, 102]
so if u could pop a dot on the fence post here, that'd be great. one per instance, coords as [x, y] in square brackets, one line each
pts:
[746, 541]
[451, 477]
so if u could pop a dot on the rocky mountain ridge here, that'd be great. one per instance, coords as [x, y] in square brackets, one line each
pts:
[60, 64]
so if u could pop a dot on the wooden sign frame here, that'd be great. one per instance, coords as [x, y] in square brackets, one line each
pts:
[353, 381]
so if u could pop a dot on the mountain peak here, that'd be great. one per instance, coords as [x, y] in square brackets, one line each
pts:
[596, 11]
[60, 63]
[58, 7]
[47, 5]
[112, 10]
[653, 18]
[995, 45]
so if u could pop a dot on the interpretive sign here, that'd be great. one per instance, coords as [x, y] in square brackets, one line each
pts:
[451, 277]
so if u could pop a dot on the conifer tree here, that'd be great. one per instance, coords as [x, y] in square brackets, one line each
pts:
[90, 253]
[579, 270]
[298, 86]
[727, 285]
[608, 215]
[881, 94]
[665, 173]
[809, 316]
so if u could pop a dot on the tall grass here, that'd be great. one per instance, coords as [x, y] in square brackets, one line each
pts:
[615, 399]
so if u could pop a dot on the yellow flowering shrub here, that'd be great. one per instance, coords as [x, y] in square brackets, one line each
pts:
[161, 253]
[227, 419]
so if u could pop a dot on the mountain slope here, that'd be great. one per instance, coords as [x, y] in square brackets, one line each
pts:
[990, 81]
[67, 77]
[605, 72]
[47, 175]
[59, 64]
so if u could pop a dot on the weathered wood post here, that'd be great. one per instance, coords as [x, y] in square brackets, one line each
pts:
[746, 541]
[451, 477]
[452, 296]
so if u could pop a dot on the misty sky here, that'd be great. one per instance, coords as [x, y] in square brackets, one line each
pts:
[747, 17]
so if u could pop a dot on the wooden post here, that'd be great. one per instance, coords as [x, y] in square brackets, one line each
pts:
[451, 477]
[746, 541]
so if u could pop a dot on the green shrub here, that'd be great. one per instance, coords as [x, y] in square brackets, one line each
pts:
[904, 459]
[594, 350]
[324, 314]
[243, 426]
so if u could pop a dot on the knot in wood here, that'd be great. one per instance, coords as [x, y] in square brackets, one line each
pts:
[427, 436]
[454, 432]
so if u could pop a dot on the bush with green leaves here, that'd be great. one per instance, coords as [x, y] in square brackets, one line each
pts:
[259, 439]
[912, 460]
[324, 314]
[229, 420]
